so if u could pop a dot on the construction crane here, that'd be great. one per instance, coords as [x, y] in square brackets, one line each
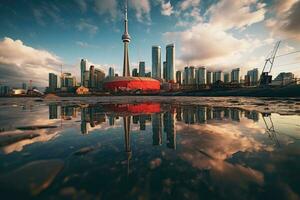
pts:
[265, 78]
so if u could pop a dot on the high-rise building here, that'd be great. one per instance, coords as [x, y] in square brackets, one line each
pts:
[165, 70]
[135, 72]
[253, 76]
[186, 75]
[126, 39]
[92, 82]
[83, 64]
[86, 78]
[142, 67]
[111, 72]
[156, 62]
[200, 76]
[179, 77]
[52, 82]
[170, 59]
[227, 77]
[235, 75]
[218, 76]
[99, 77]
[191, 75]
[209, 77]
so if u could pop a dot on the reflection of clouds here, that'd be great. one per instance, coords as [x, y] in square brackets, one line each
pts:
[208, 146]
[38, 136]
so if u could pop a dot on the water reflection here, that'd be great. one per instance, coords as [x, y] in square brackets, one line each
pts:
[188, 151]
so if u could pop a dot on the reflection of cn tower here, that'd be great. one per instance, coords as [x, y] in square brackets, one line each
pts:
[127, 139]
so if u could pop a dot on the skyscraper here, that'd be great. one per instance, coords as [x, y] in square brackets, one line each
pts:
[99, 77]
[86, 78]
[142, 69]
[200, 76]
[235, 75]
[52, 82]
[191, 75]
[218, 76]
[111, 72]
[135, 72]
[186, 76]
[179, 77]
[126, 39]
[209, 77]
[92, 82]
[227, 77]
[170, 59]
[165, 70]
[156, 62]
[82, 70]
[253, 76]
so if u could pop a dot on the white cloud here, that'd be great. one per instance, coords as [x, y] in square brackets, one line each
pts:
[186, 4]
[84, 25]
[205, 44]
[166, 8]
[285, 20]
[20, 63]
[236, 14]
[106, 6]
[142, 8]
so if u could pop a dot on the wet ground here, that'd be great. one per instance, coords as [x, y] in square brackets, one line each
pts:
[150, 148]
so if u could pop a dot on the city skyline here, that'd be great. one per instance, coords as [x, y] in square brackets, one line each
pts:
[33, 46]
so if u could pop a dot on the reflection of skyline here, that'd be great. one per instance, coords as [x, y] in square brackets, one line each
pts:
[95, 115]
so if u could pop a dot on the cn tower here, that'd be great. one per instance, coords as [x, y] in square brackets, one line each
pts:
[126, 39]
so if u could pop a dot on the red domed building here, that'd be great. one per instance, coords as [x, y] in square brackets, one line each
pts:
[132, 84]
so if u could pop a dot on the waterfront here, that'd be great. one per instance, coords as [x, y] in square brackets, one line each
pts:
[150, 148]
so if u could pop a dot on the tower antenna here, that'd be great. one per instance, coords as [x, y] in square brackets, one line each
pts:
[126, 39]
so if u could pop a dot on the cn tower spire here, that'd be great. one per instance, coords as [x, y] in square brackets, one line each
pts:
[126, 39]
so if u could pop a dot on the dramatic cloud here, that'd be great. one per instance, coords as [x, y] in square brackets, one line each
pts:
[236, 14]
[204, 44]
[142, 8]
[210, 39]
[20, 63]
[106, 7]
[84, 25]
[166, 8]
[286, 19]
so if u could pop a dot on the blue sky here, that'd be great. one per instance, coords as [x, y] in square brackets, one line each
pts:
[38, 36]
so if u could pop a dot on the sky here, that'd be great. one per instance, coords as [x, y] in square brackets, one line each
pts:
[38, 37]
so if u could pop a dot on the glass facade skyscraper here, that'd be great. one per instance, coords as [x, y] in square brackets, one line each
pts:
[170, 59]
[83, 64]
[142, 69]
[156, 62]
